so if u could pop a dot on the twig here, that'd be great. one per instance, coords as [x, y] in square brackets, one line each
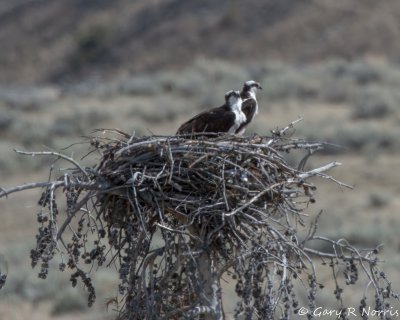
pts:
[55, 154]
[27, 186]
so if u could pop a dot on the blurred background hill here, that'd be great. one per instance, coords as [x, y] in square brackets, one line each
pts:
[45, 41]
[68, 67]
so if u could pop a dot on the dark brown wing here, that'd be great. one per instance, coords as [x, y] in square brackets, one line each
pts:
[249, 108]
[214, 120]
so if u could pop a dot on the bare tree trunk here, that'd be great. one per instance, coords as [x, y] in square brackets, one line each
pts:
[211, 288]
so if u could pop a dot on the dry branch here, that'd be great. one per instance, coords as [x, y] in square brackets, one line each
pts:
[175, 214]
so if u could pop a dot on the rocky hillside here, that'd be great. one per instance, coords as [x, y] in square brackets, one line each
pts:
[68, 40]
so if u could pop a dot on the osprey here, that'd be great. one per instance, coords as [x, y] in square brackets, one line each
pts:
[249, 105]
[226, 118]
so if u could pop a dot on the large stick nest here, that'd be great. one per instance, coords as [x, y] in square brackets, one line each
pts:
[227, 183]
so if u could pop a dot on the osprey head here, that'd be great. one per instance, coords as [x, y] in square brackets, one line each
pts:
[251, 85]
[232, 97]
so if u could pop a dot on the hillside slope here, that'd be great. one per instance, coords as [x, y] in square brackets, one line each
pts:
[46, 41]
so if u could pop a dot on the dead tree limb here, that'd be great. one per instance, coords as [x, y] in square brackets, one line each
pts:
[176, 214]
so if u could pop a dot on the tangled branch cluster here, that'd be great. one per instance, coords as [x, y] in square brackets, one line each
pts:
[176, 214]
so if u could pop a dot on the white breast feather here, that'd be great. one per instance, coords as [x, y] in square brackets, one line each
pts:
[239, 116]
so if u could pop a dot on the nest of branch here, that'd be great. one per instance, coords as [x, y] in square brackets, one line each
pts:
[219, 187]
[174, 214]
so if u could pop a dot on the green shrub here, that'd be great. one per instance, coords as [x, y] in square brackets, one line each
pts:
[65, 126]
[374, 102]
[336, 90]
[289, 84]
[141, 85]
[363, 72]
[357, 137]
[90, 44]
[31, 133]
[378, 199]
[68, 301]
[6, 121]
[185, 83]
